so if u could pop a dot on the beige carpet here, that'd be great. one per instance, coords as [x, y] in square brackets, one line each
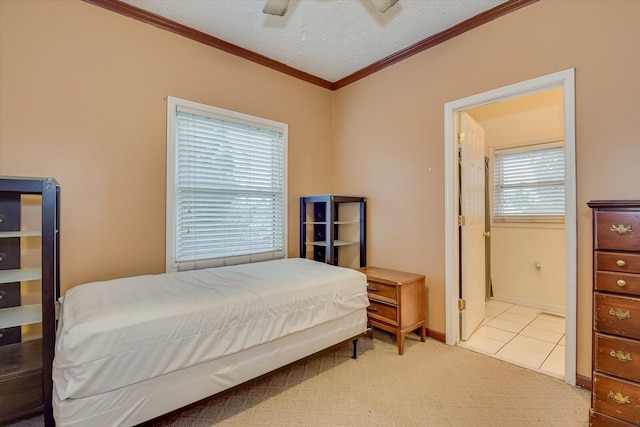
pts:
[432, 384]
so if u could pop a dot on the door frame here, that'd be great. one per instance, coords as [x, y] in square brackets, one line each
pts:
[566, 80]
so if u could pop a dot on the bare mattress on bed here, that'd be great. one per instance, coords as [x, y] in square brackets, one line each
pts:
[121, 332]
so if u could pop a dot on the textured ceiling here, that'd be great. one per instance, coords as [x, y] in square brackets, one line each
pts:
[330, 39]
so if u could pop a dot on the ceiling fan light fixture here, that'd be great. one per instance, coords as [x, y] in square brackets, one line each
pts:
[276, 7]
[383, 5]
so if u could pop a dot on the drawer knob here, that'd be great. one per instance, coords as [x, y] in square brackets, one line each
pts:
[620, 356]
[2, 257]
[621, 283]
[621, 263]
[618, 397]
[2, 295]
[372, 289]
[621, 315]
[622, 229]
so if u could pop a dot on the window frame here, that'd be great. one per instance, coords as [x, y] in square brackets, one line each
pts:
[173, 103]
[522, 219]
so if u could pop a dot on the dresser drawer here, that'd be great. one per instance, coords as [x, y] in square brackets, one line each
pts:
[600, 420]
[383, 291]
[615, 397]
[617, 261]
[618, 282]
[387, 313]
[617, 315]
[617, 356]
[617, 230]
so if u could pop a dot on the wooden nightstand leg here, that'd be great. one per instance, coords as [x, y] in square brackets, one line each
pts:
[400, 339]
[423, 333]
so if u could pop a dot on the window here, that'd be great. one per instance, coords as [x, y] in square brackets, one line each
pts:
[226, 187]
[529, 184]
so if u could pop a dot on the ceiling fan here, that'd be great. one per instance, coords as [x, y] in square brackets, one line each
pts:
[279, 7]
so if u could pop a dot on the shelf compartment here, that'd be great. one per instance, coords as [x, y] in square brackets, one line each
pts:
[335, 243]
[20, 275]
[21, 315]
[10, 234]
[20, 379]
[335, 222]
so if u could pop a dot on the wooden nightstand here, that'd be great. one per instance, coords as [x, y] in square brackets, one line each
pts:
[398, 302]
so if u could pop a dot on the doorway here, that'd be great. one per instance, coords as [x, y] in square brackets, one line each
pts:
[564, 80]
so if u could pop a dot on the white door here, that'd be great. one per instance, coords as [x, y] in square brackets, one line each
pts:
[472, 253]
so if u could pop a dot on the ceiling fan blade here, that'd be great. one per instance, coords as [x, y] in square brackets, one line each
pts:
[383, 5]
[276, 7]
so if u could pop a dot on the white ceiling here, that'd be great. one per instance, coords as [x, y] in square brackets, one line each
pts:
[330, 39]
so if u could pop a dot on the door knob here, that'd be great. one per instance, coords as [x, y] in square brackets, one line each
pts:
[487, 234]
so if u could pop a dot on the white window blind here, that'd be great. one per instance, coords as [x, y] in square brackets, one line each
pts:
[229, 188]
[529, 184]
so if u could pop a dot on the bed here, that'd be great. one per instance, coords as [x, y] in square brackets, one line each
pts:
[129, 350]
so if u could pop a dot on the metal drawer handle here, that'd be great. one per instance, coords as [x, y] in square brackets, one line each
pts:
[621, 315]
[620, 356]
[619, 398]
[2, 257]
[372, 289]
[371, 308]
[1, 333]
[2, 295]
[621, 283]
[621, 263]
[622, 229]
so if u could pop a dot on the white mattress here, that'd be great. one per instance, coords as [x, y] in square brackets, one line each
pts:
[120, 332]
[136, 403]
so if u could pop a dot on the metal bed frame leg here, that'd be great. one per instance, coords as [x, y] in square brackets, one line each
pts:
[355, 346]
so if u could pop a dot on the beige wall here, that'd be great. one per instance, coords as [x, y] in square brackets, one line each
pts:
[388, 129]
[83, 100]
[524, 120]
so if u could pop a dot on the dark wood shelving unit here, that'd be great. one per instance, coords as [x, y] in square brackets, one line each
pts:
[29, 242]
[323, 222]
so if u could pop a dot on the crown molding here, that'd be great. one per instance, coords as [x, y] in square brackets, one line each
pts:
[174, 27]
[188, 32]
[436, 39]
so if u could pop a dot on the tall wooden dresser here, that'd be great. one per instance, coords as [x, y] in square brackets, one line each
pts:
[615, 398]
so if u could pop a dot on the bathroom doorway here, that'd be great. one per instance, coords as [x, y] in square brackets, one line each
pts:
[563, 85]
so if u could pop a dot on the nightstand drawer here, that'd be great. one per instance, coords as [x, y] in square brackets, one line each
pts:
[617, 315]
[618, 230]
[618, 261]
[615, 397]
[617, 356]
[384, 312]
[383, 291]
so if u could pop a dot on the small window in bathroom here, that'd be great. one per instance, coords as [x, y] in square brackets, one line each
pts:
[529, 183]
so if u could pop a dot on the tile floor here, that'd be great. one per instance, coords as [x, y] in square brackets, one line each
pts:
[521, 335]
